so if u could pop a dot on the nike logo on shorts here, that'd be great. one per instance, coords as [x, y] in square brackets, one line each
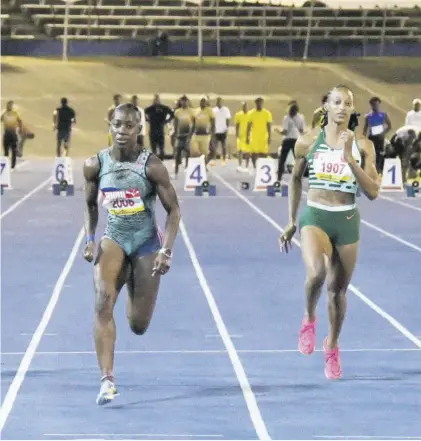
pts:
[350, 217]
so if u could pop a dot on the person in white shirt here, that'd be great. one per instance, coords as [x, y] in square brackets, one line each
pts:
[141, 137]
[222, 121]
[292, 128]
[413, 117]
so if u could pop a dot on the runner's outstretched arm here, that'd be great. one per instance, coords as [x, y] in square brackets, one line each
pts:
[91, 173]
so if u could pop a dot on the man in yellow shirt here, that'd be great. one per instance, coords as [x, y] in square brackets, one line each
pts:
[318, 114]
[241, 121]
[203, 128]
[259, 131]
[11, 123]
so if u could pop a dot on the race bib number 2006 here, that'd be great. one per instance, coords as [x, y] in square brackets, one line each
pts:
[122, 202]
[331, 166]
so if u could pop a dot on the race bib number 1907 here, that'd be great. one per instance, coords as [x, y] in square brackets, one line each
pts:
[331, 166]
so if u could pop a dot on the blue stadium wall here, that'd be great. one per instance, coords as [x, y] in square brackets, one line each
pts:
[135, 48]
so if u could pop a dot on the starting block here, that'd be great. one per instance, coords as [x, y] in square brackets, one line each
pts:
[412, 189]
[63, 177]
[63, 187]
[277, 189]
[205, 189]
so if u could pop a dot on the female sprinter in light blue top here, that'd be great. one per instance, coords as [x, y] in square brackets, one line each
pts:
[132, 252]
[329, 224]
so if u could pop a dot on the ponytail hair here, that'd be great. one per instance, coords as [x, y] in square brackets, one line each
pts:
[353, 121]
[323, 119]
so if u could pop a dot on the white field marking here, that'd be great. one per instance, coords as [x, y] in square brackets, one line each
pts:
[89, 78]
[212, 96]
[22, 164]
[218, 336]
[404, 204]
[409, 335]
[24, 198]
[46, 334]
[12, 393]
[341, 72]
[249, 397]
[211, 351]
[182, 197]
[148, 97]
[154, 435]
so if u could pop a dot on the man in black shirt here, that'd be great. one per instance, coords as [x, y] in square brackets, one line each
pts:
[63, 118]
[158, 115]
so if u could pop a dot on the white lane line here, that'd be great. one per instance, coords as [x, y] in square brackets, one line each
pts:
[154, 435]
[365, 437]
[392, 236]
[404, 204]
[12, 393]
[409, 335]
[22, 164]
[249, 397]
[207, 352]
[46, 334]
[24, 198]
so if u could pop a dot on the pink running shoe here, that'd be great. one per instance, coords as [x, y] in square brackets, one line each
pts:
[333, 370]
[307, 336]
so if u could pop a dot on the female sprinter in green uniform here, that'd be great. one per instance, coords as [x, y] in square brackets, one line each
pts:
[329, 224]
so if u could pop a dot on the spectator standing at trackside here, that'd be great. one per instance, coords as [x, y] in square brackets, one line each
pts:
[292, 127]
[376, 126]
[158, 115]
[222, 121]
[259, 130]
[11, 124]
[111, 109]
[63, 119]
[110, 114]
[413, 117]
[171, 125]
[318, 114]
[141, 136]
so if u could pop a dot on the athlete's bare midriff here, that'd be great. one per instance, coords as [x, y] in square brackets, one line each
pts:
[330, 198]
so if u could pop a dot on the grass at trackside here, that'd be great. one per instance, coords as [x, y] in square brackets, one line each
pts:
[37, 85]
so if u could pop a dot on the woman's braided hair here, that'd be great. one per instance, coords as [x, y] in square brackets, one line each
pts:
[353, 120]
